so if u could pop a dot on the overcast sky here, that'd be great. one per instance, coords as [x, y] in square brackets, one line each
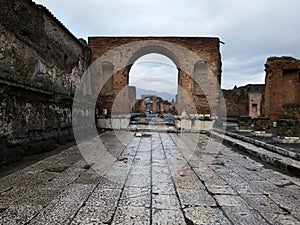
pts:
[252, 30]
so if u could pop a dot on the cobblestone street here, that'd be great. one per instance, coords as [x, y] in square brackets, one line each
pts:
[158, 178]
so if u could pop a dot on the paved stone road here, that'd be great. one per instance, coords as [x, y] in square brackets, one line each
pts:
[157, 179]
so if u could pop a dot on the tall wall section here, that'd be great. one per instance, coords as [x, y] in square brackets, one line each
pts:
[41, 64]
[282, 88]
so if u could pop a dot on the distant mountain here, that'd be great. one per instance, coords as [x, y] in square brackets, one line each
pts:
[163, 95]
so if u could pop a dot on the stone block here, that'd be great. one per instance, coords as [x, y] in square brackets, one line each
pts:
[101, 123]
[116, 123]
[186, 124]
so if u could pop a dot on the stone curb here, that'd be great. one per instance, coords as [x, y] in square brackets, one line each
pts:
[151, 130]
[284, 163]
[258, 143]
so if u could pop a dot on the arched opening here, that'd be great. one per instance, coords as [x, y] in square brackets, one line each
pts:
[154, 76]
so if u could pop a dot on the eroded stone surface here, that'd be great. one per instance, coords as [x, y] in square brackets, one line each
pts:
[206, 215]
[154, 180]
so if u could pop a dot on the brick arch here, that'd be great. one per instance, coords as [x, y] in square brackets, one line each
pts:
[122, 52]
[154, 49]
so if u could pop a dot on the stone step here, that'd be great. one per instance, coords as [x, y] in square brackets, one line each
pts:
[280, 161]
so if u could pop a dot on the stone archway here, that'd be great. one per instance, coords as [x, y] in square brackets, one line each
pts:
[197, 58]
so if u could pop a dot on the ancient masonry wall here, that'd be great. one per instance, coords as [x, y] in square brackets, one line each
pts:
[282, 88]
[207, 72]
[41, 63]
[237, 100]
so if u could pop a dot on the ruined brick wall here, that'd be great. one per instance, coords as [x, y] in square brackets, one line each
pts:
[282, 88]
[132, 96]
[207, 50]
[41, 63]
[237, 99]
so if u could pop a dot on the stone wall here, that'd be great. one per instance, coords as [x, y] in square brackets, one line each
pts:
[238, 100]
[41, 64]
[282, 88]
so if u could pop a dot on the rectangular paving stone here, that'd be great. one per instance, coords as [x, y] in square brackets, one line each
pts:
[205, 215]
[244, 216]
[158, 169]
[288, 202]
[88, 178]
[137, 197]
[8, 198]
[163, 187]
[188, 182]
[280, 181]
[121, 176]
[65, 207]
[232, 178]
[275, 218]
[197, 162]
[104, 198]
[140, 160]
[41, 196]
[265, 187]
[246, 188]
[168, 217]
[19, 214]
[159, 163]
[140, 170]
[69, 175]
[131, 216]
[221, 189]
[157, 178]
[162, 201]
[191, 197]
[17, 179]
[158, 152]
[251, 176]
[111, 182]
[216, 180]
[138, 180]
[93, 215]
[262, 203]
[119, 168]
[230, 200]
[205, 173]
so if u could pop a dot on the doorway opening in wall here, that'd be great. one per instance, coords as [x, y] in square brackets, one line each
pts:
[155, 80]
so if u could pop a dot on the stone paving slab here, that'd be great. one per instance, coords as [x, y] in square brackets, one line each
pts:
[206, 215]
[19, 214]
[168, 217]
[244, 217]
[164, 178]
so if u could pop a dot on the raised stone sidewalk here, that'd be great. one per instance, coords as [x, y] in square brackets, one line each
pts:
[279, 157]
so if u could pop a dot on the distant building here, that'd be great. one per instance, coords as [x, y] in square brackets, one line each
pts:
[245, 101]
[153, 104]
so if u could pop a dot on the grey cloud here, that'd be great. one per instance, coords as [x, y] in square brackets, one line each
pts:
[252, 30]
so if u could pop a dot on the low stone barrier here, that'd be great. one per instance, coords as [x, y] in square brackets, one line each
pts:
[194, 122]
[116, 122]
